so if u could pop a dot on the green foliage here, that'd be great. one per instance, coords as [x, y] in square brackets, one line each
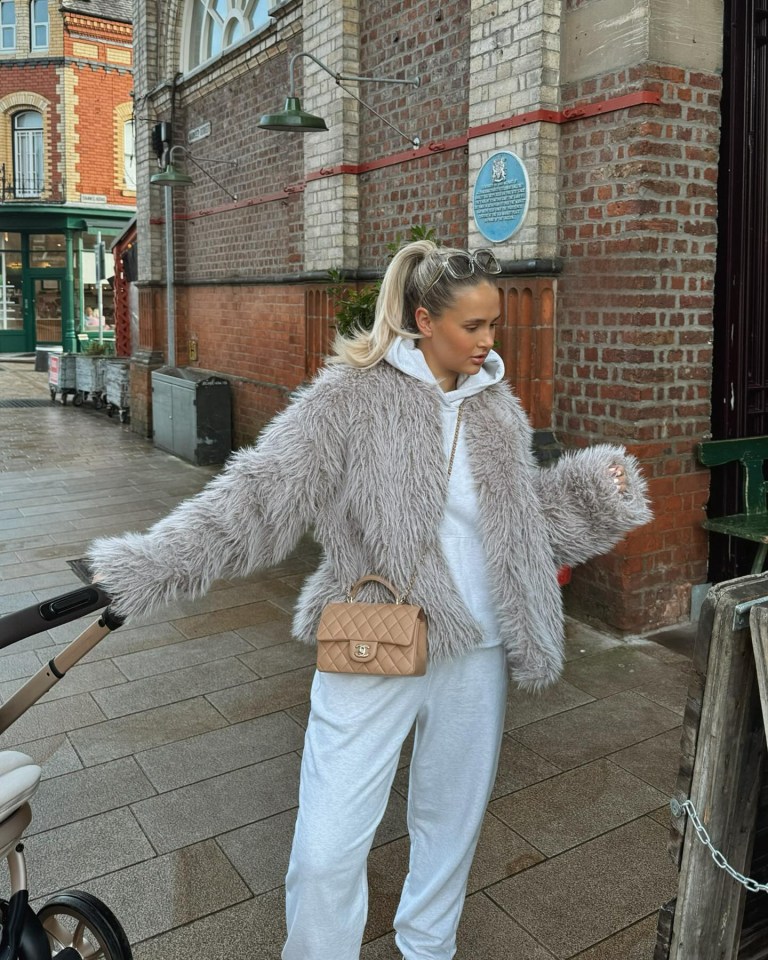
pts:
[354, 309]
[95, 349]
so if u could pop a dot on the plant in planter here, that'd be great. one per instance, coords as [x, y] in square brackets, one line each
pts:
[94, 348]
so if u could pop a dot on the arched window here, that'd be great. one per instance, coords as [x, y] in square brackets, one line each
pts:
[38, 24]
[213, 26]
[28, 154]
[7, 25]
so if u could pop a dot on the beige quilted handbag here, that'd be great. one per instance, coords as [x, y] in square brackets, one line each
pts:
[374, 638]
[388, 639]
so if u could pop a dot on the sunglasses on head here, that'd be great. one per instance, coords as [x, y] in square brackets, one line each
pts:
[463, 264]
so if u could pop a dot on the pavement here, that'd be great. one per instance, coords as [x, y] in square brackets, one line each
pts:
[171, 752]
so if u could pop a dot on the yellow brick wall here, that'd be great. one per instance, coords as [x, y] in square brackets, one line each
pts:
[71, 138]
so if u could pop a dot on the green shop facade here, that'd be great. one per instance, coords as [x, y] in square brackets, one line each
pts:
[48, 274]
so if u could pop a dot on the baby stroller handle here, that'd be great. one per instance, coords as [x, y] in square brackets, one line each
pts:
[51, 613]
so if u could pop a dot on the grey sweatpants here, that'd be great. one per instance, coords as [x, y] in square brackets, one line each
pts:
[356, 727]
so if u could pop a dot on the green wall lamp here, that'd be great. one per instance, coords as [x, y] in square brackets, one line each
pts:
[171, 176]
[293, 119]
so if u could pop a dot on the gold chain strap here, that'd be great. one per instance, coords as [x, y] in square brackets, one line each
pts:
[423, 553]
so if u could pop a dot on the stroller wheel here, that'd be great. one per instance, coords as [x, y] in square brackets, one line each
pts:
[80, 926]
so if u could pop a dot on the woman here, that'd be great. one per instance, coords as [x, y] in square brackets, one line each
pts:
[362, 456]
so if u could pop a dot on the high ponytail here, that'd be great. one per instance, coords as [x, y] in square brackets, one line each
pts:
[414, 278]
[367, 347]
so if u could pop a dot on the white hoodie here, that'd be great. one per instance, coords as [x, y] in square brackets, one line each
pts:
[460, 537]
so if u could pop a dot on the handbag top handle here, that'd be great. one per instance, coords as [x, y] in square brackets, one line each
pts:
[371, 576]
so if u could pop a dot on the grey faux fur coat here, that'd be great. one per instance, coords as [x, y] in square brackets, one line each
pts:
[358, 455]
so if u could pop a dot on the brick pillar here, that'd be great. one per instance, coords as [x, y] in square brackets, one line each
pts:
[154, 44]
[330, 31]
[638, 238]
[515, 68]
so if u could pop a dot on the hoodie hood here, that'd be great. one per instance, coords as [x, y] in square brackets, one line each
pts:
[405, 356]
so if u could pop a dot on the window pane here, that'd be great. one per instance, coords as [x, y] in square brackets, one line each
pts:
[11, 315]
[214, 38]
[7, 12]
[8, 38]
[47, 250]
[214, 25]
[29, 120]
[41, 36]
[129, 154]
[234, 32]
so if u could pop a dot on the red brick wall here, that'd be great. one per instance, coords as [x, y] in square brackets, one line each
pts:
[99, 150]
[42, 79]
[634, 322]
[257, 239]
[252, 334]
[406, 39]
[99, 88]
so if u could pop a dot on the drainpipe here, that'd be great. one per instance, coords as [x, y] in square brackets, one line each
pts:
[170, 293]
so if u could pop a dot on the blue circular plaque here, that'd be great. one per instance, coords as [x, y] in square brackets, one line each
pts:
[501, 196]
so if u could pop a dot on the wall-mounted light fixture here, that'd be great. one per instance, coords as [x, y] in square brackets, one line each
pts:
[293, 119]
[171, 176]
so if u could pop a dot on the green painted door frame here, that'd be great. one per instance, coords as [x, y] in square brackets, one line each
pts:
[69, 343]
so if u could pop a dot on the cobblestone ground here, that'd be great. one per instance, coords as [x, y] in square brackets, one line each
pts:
[171, 753]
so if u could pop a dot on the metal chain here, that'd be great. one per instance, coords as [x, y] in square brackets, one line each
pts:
[404, 596]
[678, 809]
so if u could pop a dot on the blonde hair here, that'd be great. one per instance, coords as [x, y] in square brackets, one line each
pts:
[415, 278]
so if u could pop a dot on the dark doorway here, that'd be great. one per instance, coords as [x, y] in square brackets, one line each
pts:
[740, 377]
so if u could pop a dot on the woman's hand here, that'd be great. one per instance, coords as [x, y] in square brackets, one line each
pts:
[619, 476]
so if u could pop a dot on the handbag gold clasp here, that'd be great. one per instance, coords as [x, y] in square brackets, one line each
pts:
[362, 650]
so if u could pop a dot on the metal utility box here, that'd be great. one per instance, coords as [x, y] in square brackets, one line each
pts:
[192, 414]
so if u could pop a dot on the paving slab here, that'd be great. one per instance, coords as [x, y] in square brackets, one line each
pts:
[149, 663]
[220, 751]
[524, 708]
[595, 729]
[254, 930]
[656, 760]
[69, 714]
[55, 755]
[72, 854]
[614, 670]
[124, 736]
[576, 806]
[155, 691]
[587, 894]
[157, 895]
[250, 700]
[205, 809]
[637, 942]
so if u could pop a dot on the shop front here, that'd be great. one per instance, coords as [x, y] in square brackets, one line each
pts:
[49, 275]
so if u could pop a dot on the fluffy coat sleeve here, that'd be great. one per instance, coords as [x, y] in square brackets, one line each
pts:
[584, 512]
[251, 515]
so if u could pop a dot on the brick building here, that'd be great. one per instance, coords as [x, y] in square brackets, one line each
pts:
[67, 161]
[608, 288]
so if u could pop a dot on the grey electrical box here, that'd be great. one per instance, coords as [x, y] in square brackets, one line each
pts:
[192, 414]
